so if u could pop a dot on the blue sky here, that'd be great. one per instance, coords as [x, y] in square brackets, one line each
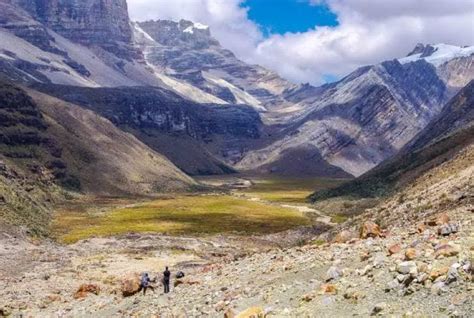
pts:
[282, 16]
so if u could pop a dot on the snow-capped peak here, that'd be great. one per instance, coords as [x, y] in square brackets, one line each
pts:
[199, 26]
[437, 54]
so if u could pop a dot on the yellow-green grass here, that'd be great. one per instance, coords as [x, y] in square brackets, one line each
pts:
[289, 190]
[182, 215]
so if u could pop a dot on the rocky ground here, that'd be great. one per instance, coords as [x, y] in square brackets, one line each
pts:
[415, 270]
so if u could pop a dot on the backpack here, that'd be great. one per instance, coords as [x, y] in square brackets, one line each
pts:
[145, 280]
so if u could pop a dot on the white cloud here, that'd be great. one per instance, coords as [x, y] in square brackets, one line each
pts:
[370, 31]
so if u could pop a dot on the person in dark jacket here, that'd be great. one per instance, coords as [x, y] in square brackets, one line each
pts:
[145, 283]
[166, 280]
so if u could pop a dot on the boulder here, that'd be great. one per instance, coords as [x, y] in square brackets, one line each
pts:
[446, 250]
[130, 285]
[369, 229]
[344, 236]
[439, 219]
[447, 229]
[86, 289]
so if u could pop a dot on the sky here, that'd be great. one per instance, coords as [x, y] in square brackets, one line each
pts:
[316, 41]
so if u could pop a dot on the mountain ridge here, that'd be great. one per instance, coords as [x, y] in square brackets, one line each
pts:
[353, 124]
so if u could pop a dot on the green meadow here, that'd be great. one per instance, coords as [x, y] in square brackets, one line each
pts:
[179, 215]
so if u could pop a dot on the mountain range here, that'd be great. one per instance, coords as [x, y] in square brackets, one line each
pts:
[192, 103]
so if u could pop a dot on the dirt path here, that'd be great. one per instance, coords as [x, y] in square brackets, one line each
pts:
[313, 213]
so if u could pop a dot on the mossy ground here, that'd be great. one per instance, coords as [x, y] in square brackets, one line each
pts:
[179, 215]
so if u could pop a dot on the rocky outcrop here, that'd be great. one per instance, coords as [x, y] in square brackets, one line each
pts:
[102, 23]
[449, 132]
[188, 51]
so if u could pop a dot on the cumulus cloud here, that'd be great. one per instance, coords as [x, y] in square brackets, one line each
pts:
[368, 32]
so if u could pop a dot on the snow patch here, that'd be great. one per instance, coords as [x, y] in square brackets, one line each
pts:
[241, 96]
[189, 29]
[188, 91]
[442, 54]
[140, 32]
[199, 26]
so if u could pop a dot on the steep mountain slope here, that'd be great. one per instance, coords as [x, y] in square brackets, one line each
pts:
[187, 51]
[368, 116]
[78, 43]
[196, 137]
[105, 159]
[47, 145]
[449, 133]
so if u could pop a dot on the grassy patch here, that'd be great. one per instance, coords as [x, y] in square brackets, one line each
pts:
[194, 215]
[339, 218]
[289, 190]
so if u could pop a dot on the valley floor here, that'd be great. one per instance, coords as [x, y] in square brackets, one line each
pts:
[294, 273]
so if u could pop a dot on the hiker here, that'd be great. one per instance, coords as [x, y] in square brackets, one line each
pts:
[145, 283]
[166, 280]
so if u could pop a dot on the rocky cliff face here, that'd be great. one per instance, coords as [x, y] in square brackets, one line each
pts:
[450, 132]
[188, 51]
[102, 23]
[363, 119]
[197, 137]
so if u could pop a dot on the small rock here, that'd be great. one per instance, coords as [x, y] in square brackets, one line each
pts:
[392, 285]
[333, 273]
[252, 312]
[369, 229]
[421, 228]
[328, 289]
[410, 254]
[452, 274]
[438, 288]
[446, 250]
[308, 297]
[220, 305]
[378, 308]
[229, 313]
[407, 267]
[400, 277]
[379, 260]
[366, 270]
[421, 278]
[437, 272]
[352, 295]
[394, 249]
[86, 289]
